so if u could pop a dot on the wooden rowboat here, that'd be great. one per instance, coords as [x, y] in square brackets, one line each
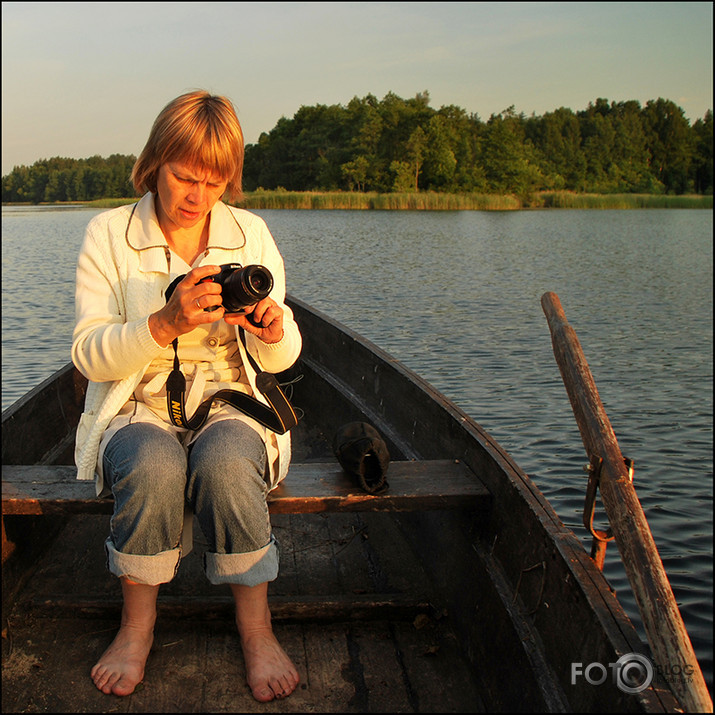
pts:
[459, 589]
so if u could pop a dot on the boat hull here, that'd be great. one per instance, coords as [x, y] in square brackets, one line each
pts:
[521, 597]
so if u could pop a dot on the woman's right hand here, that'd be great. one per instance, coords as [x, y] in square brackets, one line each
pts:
[185, 309]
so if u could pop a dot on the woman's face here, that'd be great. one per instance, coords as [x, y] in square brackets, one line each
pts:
[185, 195]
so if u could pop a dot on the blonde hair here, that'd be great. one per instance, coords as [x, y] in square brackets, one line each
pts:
[198, 129]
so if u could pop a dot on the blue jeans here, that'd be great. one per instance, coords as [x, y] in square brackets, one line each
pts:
[223, 481]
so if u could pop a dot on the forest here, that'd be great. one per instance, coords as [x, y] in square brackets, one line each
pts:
[405, 145]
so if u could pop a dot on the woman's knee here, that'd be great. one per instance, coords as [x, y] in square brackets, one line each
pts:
[228, 457]
[147, 462]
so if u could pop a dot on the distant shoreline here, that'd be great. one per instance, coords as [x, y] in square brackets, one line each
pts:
[432, 201]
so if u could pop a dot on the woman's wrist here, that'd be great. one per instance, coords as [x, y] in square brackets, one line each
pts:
[160, 331]
[273, 343]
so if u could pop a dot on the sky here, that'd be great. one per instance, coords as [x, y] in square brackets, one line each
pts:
[81, 79]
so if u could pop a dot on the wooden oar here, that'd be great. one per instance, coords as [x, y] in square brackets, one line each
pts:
[664, 626]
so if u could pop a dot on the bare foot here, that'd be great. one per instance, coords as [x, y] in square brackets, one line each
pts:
[269, 671]
[121, 667]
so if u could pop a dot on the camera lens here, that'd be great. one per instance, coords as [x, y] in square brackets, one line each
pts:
[259, 282]
[245, 286]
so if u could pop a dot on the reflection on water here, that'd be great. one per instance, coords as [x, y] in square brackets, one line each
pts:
[456, 297]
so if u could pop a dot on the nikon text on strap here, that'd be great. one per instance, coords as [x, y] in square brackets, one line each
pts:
[277, 416]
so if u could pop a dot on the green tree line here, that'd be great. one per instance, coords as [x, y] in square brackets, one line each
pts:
[404, 145]
[60, 179]
[401, 145]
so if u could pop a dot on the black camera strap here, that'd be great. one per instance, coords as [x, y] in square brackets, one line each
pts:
[277, 416]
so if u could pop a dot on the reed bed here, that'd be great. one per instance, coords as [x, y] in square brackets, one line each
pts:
[432, 201]
[570, 200]
[108, 203]
[417, 201]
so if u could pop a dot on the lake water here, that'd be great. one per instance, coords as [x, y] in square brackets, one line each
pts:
[456, 297]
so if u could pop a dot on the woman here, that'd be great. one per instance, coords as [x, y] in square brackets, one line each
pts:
[122, 343]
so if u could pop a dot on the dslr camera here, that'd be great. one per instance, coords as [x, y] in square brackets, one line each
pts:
[241, 286]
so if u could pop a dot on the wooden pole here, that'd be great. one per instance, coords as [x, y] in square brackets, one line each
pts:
[668, 638]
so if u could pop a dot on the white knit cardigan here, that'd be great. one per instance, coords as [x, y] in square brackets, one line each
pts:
[122, 273]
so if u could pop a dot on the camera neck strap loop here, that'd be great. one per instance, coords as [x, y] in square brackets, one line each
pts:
[278, 415]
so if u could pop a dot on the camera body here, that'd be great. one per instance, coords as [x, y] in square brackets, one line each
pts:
[241, 286]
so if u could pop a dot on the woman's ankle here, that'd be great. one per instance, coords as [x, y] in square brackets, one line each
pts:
[139, 608]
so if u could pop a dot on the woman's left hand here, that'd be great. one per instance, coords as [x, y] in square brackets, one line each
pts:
[266, 320]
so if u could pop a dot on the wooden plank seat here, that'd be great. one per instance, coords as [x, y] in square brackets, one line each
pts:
[310, 487]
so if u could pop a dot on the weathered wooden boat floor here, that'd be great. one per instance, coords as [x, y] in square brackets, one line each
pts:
[365, 636]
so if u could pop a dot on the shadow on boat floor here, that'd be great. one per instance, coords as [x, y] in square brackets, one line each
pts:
[351, 606]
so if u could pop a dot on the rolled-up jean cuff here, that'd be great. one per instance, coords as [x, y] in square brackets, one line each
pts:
[249, 569]
[150, 570]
